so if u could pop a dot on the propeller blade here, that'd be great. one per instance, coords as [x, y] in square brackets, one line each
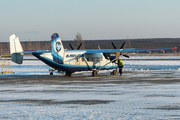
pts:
[114, 45]
[79, 46]
[126, 55]
[71, 46]
[122, 45]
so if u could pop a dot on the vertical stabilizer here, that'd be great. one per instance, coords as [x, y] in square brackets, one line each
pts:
[16, 49]
[57, 49]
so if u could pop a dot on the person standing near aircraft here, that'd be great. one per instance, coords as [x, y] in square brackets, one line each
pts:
[120, 65]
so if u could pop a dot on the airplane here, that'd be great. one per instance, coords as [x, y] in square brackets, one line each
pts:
[74, 60]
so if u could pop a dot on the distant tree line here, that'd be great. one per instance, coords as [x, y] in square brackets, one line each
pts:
[104, 44]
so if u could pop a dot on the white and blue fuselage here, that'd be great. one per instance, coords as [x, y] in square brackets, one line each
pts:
[75, 60]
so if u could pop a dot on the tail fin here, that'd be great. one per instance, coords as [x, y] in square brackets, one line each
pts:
[57, 49]
[16, 49]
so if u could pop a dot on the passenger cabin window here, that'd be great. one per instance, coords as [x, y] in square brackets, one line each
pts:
[87, 59]
[93, 59]
[82, 59]
[77, 60]
[101, 59]
[97, 59]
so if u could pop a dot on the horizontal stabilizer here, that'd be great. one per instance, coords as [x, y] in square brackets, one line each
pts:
[17, 58]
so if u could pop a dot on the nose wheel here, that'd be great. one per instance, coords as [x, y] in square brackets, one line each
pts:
[51, 71]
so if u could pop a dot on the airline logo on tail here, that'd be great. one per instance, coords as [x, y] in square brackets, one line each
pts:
[57, 49]
[58, 46]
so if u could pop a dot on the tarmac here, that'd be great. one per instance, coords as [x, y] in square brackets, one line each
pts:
[131, 76]
[138, 94]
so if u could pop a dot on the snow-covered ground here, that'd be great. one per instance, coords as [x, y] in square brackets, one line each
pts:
[145, 91]
[38, 67]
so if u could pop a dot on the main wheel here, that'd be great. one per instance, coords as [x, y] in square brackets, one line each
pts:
[114, 72]
[51, 73]
[68, 74]
[95, 73]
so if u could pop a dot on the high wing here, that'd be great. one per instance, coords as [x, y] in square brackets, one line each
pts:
[37, 51]
[32, 51]
[58, 51]
[121, 50]
[100, 50]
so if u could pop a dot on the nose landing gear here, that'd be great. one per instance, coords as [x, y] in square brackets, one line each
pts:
[51, 71]
[68, 74]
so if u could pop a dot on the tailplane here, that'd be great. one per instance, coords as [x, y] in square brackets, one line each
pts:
[16, 49]
[57, 49]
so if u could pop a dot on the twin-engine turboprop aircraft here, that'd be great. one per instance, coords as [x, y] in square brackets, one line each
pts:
[73, 60]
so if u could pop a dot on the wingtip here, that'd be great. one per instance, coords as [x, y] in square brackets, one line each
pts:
[174, 48]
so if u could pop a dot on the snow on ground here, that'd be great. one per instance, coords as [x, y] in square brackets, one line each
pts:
[38, 67]
[93, 98]
[138, 94]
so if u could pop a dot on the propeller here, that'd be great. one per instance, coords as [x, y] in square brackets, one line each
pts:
[122, 45]
[71, 46]
[118, 53]
[114, 45]
[77, 48]
[125, 55]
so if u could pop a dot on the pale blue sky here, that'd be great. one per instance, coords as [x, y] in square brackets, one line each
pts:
[95, 19]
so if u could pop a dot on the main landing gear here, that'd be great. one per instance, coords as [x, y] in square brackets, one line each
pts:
[68, 74]
[95, 73]
[114, 72]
